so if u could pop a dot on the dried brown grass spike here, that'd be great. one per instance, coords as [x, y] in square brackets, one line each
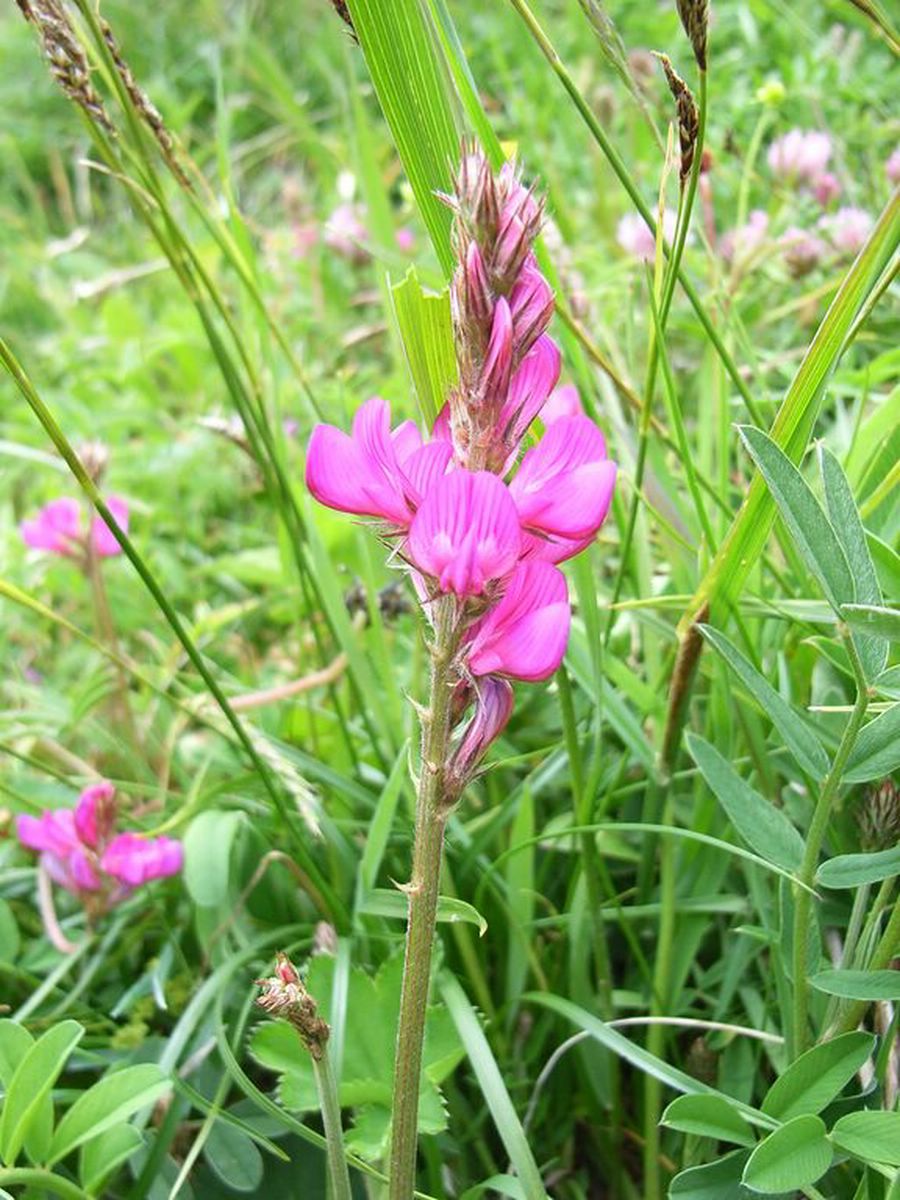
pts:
[144, 106]
[695, 19]
[344, 13]
[688, 119]
[66, 56]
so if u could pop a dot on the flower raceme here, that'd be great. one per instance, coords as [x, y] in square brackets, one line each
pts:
[59, 529]
[80, 850]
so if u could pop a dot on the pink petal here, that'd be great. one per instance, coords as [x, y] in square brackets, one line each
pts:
[498, 360]
[93, 811]
[525, 635]
[563, 402]
[423, 469]
[84, 876]
[552, 550]
[56, 527]
[103, 539]
[134, 860]
[406, 440]
[441, 429]
[532, 383]
[52, 832]
[466, 532]
[531, 303]
[565, 483]
[493, 708]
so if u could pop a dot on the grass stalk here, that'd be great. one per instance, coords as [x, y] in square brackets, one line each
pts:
[330, 1108]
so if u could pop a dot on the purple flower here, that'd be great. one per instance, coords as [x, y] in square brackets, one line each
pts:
[636, 238]
[826, 188]
[134, 860]
[524, 636]
[564, 401]
[58, 528]
[802, 250]
[800, 155]
[744, 241]
[847, 229]
[346, 233]
[493, 708]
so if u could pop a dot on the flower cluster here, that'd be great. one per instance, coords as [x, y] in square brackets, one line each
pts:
[800, 157]
[59, 529]
[81, 851]
[468, 532]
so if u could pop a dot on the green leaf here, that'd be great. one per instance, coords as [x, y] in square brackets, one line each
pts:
[792, 1157]
[232, 1156]
[845, 520]
[875, 619]
[870, 1136]
[858, 985]
[762, 826]
[413, 91]
[719, 1180]
[15, 1042]
[103, 1155]
[208, 844]
[31, 1085]
[708, 1116]
[814, 1079]
[382, 902]
[9, 934]
[798, 737]
[110, 1101]
[854, 870]
[380, 824]
[426, 332]
[803, 515]
[877, 749]
[493, 1089]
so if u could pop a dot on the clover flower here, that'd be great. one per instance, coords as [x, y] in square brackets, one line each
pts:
[637, 239]
[847, 229]
[800, 156]
[59, 528]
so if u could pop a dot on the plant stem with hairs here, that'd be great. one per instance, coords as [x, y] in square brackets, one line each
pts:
[432, 809]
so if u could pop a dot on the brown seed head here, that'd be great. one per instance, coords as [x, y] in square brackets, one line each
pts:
[284, 995]
[688, 120]
[695, 19]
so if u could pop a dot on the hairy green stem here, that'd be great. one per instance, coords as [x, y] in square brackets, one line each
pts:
[329, 1106]
[432, 809]
[814, 840]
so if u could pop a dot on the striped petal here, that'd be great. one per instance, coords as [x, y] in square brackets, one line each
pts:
[525, 635]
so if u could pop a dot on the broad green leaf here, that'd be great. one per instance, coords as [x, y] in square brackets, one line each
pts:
[232, 1156]
[854, 870]
[762, 826]
[493, 1088]
[877, 749]
[379, 827]
[887, 562]
[719, 1180]
[414, 94]
[801, 512]
[110, 1101]
[103, 1155]
[871, 1136]
[31, 1084]
[207, 855]
[708, 1116]
[426, 332]
[814, 1079]
[15, 1042]
[799, 738]
[792, 1157]
[847, 524]
[382, 902]
[875, 619]
[503, 1185]
[858, 985]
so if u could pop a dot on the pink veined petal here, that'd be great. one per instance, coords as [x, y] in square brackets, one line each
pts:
[91, 811]
[134, 860]
[525, 635]
[552, 550]
[441, 429]
[406, 440]
[341, 475]
[533, 381]
[425, 467]
[466, 532]
[85, 877]
[56, 527]
[565, 483]
[493, 708]
[60, 871]
[563, 401]
[102, 537]
[52, 832]
[498, 360]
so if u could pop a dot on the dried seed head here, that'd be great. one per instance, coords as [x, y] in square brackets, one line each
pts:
[94, 458]
[688, 120]
[695, 19]
[344, 13]
[66, 56]
[283, 995]
[879, 816]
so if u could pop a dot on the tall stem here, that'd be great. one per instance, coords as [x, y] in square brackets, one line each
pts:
[329, 1105]
[106, 631]
[814, 840]
[432, 808]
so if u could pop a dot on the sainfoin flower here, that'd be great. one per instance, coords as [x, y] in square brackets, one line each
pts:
[479, 525]
[59, 528]
[80, 850]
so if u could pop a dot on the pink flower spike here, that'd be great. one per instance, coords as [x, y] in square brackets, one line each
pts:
[531, 302]
[94, 812]
[102, 537]
[565, 483]
[525, 635]
[563, 401]
[466, 532]
[529, 388]
[493, 708]
[56, 528]
[359, 474]
[134, 860]
[498, 360]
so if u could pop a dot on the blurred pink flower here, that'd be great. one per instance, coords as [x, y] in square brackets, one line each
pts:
[826, 188]
[892, 167]
[405, 239]
[58, 529]
[305, 235]
[847, 229]
[744, 241]
[345, 233]
[79, 852]
[802, 250]
[564, 401]
[636, 239]
[800, 155]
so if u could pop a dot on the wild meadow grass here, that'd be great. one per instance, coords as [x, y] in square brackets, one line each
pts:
[667, 919]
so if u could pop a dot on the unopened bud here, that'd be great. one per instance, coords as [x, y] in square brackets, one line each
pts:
[283, 995]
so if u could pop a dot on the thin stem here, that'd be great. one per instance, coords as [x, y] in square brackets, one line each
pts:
[814, 840]
[329, 1106]
[106, 632]
[432, 810]
[885, 952]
